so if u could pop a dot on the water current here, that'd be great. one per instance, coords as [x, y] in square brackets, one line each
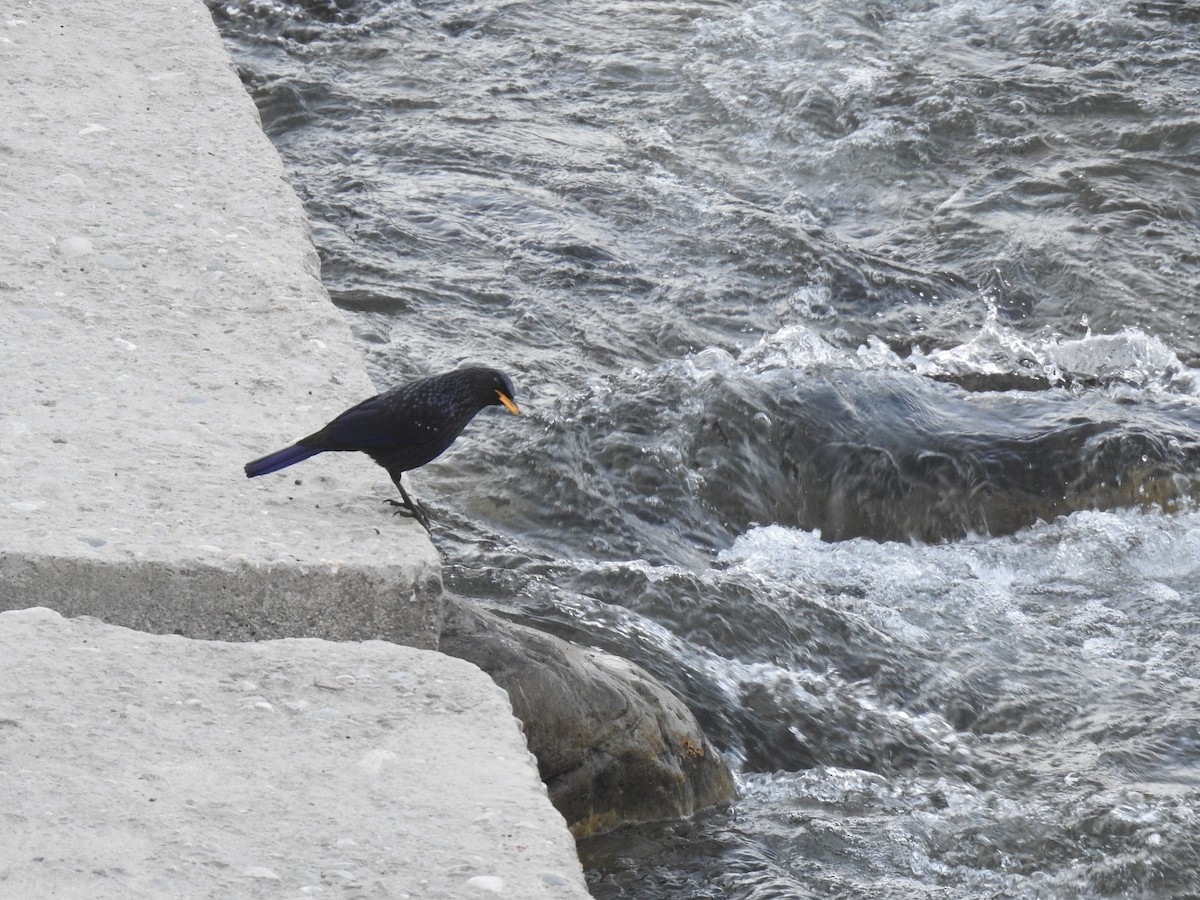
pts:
[858, 347]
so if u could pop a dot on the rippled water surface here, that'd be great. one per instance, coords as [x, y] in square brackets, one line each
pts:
[857, 344]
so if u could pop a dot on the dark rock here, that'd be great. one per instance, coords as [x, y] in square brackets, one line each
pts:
[613, 745]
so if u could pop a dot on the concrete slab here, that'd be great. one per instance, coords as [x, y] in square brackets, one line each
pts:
[165, 323]
[146, 766]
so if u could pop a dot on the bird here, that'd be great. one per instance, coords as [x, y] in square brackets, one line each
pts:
[404, 427]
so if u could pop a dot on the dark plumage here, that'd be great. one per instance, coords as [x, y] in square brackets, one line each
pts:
[404, 427]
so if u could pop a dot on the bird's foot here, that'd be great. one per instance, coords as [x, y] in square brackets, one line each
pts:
[416, 510]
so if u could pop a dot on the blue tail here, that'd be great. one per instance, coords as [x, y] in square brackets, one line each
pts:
[280, 459]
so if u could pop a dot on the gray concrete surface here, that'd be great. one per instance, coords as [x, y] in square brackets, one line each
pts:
[151, 766]
[164, 322]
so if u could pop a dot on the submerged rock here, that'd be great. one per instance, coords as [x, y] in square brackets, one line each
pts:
[613, 745]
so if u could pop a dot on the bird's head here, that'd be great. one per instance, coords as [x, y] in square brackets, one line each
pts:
[494, 388]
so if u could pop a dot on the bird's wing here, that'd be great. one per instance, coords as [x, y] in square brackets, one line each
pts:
[385, 421]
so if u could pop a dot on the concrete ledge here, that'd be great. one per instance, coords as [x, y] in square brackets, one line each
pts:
[165, 322]
[239, 602]
[146, 766]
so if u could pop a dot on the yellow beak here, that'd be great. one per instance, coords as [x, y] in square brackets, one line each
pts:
[508, 404]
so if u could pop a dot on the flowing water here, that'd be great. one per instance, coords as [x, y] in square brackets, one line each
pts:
[857, 344]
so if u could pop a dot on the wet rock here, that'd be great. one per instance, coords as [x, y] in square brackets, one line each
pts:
[613, 745]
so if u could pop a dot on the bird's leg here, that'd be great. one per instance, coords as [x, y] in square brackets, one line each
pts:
[415, 509]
